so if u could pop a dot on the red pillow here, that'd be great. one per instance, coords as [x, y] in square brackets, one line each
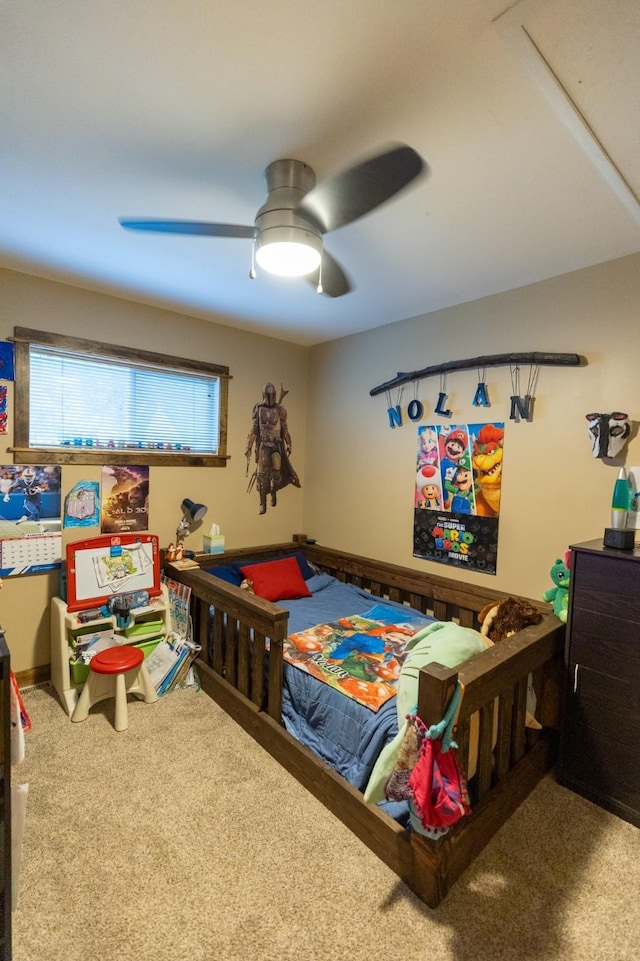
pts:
[277, 580]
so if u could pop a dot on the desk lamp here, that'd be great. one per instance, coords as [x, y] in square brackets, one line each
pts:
[192, 513]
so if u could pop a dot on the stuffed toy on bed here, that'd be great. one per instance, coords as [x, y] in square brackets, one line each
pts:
[501, 619]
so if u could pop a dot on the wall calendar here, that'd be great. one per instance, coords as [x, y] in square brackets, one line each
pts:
[30, 521]
[30, 555]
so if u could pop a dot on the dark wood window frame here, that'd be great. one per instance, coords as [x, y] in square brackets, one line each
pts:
[24, 454]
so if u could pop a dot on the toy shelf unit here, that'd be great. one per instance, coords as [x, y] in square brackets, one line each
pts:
[100, 571]
[146, 627]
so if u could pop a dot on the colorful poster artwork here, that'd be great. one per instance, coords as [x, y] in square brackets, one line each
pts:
[457, 490]
[7, 360]
[82, 505]
[125, 499]
[3, 409]
[30, 521]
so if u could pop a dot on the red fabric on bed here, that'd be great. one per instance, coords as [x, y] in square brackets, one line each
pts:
[277, 580]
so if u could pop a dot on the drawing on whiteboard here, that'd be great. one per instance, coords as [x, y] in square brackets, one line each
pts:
[114, 572]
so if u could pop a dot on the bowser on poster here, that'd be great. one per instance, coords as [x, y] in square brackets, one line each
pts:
[458, 483]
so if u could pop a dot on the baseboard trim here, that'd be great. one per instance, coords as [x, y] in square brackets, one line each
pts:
[33, 676]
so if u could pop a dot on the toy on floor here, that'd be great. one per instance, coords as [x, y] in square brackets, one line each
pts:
[558, 595]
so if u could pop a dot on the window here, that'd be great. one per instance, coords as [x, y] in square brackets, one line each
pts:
[83, 402]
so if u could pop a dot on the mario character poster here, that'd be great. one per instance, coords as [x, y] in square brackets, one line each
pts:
[457, 494]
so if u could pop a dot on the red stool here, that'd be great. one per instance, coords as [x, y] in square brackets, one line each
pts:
[123, 665]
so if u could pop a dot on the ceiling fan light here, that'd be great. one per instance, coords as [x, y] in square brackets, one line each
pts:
[288, 251]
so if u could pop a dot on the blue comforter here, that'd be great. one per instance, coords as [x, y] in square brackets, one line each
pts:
[344, 733]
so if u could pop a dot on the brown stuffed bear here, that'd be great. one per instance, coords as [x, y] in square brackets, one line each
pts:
[501, 619]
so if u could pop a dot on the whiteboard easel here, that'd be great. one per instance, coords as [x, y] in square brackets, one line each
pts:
[100, 567]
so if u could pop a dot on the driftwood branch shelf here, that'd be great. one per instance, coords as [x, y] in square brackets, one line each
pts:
[535, 359]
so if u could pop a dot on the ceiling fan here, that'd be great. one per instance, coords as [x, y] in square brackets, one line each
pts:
[288, 230]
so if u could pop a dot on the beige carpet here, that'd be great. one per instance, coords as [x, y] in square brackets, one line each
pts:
[182, 840]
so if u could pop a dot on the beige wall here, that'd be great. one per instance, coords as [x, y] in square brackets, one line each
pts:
[26, 301]
[359, 471]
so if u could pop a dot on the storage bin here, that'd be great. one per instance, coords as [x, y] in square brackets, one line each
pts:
[80, 671]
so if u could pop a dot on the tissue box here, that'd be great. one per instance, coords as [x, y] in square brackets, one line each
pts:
[213, 544]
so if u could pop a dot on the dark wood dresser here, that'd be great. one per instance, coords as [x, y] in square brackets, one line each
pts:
[600, 731]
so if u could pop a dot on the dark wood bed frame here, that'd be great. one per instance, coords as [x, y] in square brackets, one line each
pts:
[508, 767]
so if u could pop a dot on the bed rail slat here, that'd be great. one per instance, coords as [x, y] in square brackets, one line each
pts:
[201, 623]
[485, 751]
[218, 642]
[503, 742]
[274, 697]
[441, 610]
[244, 660]
[418, 602]
[231, 650]
[519, 713]
[467, 618]
[462, 738]
[257, 669]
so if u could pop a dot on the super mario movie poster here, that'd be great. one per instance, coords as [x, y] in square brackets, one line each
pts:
[457, 494]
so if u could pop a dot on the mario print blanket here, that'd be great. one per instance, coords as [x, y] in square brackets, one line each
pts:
[360, 654]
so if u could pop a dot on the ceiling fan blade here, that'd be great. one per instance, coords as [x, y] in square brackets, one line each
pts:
[335, 282]
[342, 199]
[199, 228]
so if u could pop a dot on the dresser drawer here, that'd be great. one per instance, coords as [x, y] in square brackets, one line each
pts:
[607, 585]
[609, 706]
[601, 765]
[605, 643]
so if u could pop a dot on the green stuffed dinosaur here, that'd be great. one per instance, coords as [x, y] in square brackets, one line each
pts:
[558, 595]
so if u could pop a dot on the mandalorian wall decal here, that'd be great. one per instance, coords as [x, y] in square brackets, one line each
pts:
[269, 437]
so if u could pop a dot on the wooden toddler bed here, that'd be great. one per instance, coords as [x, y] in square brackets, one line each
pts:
[235, 627]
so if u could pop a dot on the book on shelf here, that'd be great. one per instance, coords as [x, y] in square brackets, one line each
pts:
[169, 661]
[179, 596]
[187, 655]
[161, 661]
[86, 645]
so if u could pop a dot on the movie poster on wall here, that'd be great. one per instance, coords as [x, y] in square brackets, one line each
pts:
[125, 499]
[457, 494]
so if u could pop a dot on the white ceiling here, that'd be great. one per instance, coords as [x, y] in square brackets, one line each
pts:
[527, 113]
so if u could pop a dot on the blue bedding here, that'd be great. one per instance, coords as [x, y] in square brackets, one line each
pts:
[344, 733]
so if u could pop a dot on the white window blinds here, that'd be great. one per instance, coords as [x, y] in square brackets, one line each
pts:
[85, 400]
